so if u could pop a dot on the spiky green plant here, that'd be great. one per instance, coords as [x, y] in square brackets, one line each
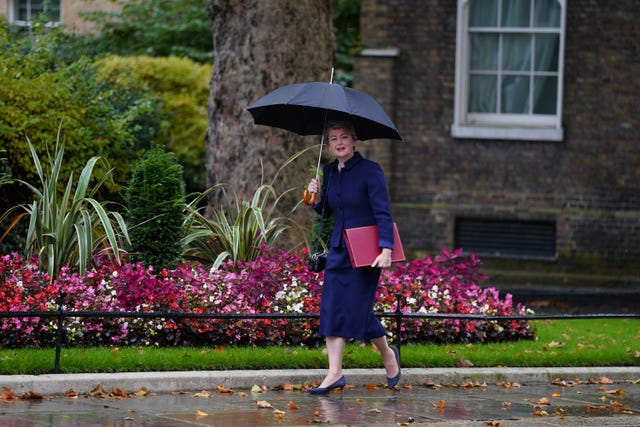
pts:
[236, 229]
[67, 227]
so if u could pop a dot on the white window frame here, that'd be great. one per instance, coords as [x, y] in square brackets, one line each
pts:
[501, 126]
[13, 19]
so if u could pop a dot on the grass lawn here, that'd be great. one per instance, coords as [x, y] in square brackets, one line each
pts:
[575, 342]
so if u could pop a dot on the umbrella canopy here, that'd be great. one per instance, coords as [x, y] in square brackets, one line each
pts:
[304, 108]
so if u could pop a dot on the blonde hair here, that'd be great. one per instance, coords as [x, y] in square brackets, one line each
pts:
[341, 124]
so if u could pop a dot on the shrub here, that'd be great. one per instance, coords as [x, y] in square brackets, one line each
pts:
[275, 282]
[155, 203]
[182, 86]
[66, 228]
[40, 91]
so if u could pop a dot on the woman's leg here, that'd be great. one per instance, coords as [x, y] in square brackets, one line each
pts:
[388, 356]
[335, 350]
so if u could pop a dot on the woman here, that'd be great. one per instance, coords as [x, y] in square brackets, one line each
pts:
[354, 191]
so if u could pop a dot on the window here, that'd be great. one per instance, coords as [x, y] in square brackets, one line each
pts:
[506, 238]
[509, 69]
[24, 12]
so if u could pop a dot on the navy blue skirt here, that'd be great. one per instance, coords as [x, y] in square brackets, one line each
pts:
[348, 294]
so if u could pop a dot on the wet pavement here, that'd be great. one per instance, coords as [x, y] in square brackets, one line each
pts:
[439, 397]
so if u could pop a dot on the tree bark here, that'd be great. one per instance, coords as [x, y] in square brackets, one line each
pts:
[260, 45]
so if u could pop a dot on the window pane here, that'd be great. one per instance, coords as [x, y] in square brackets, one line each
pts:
[515, 95]
[483, 94]
[516, 52]
[483, 13]
[484, 51]
[547, 14]
[22, 10]
[545, 89]
[516, 13]
[547, 46]
[37, 7]
[53, 10]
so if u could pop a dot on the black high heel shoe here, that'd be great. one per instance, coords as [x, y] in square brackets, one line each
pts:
[324, 390]
[392, 382]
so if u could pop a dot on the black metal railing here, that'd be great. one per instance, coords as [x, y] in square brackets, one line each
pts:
[398, 315]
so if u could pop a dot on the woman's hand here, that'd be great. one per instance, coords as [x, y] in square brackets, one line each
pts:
[383, 260]
[314, 185]
[309, 195]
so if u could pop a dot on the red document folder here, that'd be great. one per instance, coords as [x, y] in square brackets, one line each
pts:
[362, 244]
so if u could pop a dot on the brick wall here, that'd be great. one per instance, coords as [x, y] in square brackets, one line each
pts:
[589, 184]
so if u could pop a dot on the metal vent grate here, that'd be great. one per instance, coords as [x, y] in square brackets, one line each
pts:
[506, 238]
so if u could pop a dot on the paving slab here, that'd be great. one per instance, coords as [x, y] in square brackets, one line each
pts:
[439, 397]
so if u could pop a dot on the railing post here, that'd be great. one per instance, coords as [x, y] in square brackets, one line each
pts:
[59, 332]
[398, 317]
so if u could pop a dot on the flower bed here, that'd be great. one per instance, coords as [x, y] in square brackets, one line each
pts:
[277, 282]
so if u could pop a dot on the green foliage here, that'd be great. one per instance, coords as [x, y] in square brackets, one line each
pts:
[346, 26]
[237, 229]
[5, 170]
[156, 28]
[183, 88]
[39, 90]
[322, 229]
[67, 228]
[155, 202]
[608, 347]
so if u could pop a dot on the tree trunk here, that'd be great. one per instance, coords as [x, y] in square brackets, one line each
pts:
[260, 45]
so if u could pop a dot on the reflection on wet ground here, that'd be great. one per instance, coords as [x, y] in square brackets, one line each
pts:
[494, 405]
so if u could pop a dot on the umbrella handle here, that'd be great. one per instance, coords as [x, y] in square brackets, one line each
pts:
[308, 198]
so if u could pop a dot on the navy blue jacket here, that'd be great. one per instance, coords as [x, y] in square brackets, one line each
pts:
[357, 196]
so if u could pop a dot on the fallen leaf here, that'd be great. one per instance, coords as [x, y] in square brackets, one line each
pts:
[371, 387]
[203, 393]
[118, 392]
[7, 395]
[292, 405]
[506, 406]
[492, 423]
[97, 391]
[556, 395]
[31, 395]
[242, 394]
[256, 389]
[556, 344]
[263, 404]
[439, 405]
[142, 392]
[375, 410]
[223, 389]
[540, 413]
[605, 380]
[71, 394]
[542, 401]
[200, 414]
[618, 391]
[464, 363]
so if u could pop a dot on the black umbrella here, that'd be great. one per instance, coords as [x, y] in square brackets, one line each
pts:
[305, 108]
